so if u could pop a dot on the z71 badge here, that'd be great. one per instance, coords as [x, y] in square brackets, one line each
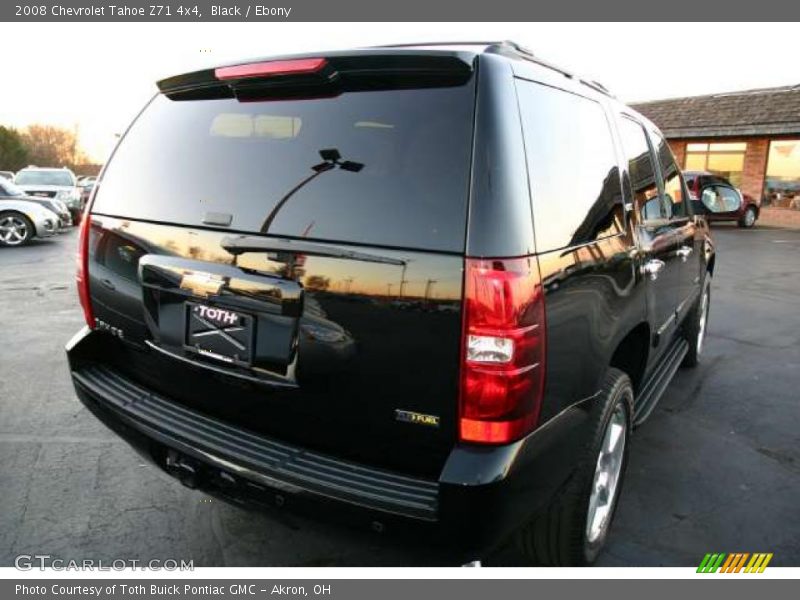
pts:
[416, 418]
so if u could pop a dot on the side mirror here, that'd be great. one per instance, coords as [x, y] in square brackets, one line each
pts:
[651, 210]
[720, 199]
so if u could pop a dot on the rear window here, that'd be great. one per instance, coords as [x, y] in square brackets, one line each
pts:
[377, 167]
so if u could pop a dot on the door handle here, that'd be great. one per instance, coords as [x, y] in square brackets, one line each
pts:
[652, 268]
[109, 284]
[684, 252]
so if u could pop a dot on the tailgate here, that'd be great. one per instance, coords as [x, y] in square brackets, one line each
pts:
[354, 358]
[295, 266]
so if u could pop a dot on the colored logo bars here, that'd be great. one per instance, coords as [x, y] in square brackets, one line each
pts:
[734, 563]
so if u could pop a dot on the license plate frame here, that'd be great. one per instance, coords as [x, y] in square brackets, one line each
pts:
[221, 334]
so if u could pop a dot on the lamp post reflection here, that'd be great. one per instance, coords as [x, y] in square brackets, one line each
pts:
[332, 159]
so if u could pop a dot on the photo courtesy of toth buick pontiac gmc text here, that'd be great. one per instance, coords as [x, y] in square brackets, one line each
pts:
[415, 288]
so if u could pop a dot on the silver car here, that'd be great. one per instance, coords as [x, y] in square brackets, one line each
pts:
[22, 220]
[58, 185]
[9, 190]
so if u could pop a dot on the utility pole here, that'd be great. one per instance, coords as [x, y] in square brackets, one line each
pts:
[403, 281]
[428, 287]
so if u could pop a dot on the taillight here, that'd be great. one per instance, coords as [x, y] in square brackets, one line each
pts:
[503, 350]
[82, 273]
[271, 68]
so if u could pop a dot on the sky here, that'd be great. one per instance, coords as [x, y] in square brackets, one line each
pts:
[95, 77]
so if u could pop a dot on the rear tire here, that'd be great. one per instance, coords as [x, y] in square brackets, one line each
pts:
[574, 528]
[696, 325]
[15, 229]
[749, 218]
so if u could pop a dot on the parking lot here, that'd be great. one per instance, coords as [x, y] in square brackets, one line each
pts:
[715, 469]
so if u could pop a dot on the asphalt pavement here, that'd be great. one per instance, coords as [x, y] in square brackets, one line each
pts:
[716, 468]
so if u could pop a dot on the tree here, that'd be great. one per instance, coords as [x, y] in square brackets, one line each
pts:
[318, 282]
[50, 146]
[13, 154]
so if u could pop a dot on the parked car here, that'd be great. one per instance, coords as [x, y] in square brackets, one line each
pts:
[59, 184]
[22, 220]
[7, 175]
[581, 281]
[718, 200]
[10, 190]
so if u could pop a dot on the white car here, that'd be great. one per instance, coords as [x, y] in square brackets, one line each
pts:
[58, 184]
[22, 220]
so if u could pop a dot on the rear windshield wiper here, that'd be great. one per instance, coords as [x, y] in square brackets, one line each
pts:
[240, 244]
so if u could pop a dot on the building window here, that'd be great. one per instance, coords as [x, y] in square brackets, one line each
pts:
[782, 185]
[725, 159]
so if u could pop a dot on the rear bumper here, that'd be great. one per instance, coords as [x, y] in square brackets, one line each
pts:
[738, 216]
[257, 460]
[481, 496]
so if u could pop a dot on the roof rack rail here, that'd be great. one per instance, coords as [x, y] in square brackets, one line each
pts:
[456, 43]
[509, 48]
[512, 49]
[596, 85]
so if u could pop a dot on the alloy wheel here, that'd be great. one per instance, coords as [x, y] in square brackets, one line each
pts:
[701, 328]
[607, 475]
[13, 231]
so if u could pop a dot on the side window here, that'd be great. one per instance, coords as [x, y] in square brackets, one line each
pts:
[641, 170]
[673, 186]
[574, 177]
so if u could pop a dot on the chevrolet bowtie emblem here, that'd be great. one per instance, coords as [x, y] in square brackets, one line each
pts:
[202, 284]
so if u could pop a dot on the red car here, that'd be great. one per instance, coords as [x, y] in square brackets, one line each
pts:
[717, 199]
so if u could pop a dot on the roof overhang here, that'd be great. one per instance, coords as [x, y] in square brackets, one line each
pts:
[727, 131]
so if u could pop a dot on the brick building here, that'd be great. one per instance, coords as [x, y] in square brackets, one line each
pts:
[751, 137]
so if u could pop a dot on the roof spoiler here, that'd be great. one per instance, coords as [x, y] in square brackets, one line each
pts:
[319, 76]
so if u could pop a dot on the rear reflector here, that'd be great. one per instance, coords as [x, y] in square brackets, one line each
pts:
[503, 353]
[82, 272]
[271, 68]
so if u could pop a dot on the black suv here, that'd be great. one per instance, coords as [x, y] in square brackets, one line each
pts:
[426, 288]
